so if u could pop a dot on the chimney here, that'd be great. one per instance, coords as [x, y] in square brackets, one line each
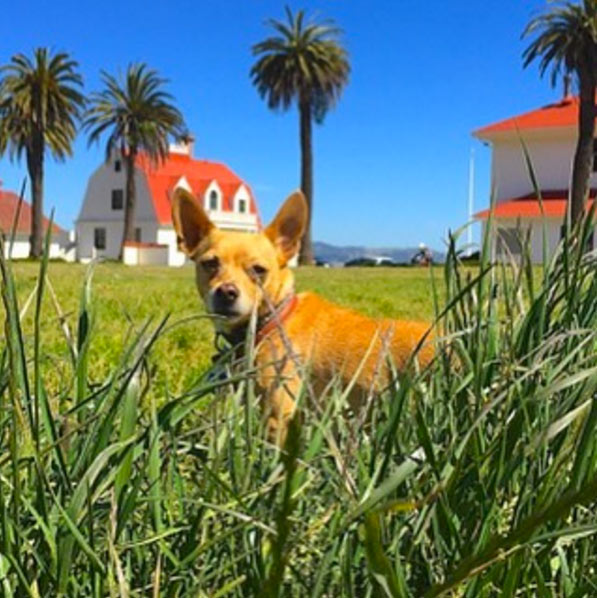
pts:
[184, 145]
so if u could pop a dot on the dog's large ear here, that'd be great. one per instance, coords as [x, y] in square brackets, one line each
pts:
[190, 221]
[288, 227]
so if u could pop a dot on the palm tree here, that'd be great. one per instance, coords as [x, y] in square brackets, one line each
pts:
[303, 63]
[40, 103]
[138, 116]
[566, 43]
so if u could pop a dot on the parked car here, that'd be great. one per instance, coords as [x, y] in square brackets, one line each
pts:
[322, 263]
[360, 261]
[385, 261]
[371, 261]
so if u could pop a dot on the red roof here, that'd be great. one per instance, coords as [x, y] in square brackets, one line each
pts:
[560, 114]
[9, 202]
[161, 180]
[527, 206]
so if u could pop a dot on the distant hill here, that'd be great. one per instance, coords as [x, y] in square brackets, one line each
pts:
[335, 254]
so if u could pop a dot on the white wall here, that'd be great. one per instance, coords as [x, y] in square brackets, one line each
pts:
[551, 153]
[97, 212]
[134, 255]
[20, 250]
[167, 236]
[130, 255]
[153, 256]
[114, 232]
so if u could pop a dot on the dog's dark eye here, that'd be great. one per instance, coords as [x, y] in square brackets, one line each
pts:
[210, 265]
[258, 271]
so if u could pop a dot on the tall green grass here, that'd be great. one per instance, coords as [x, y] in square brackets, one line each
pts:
[474, 478]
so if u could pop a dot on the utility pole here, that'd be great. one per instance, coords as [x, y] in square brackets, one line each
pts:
[471, 201]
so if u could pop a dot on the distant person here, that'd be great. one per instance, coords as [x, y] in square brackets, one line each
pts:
[423, 257]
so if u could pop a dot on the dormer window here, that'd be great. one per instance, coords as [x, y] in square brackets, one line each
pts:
[213, 200]
[117, 165]
[242, 206]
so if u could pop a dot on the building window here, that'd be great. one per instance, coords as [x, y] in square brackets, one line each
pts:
[117, 199]
[509, 242]
[99, 238]
[242, 206]
[590, 239]
[138, 234]
[213, 200]
[117, 165]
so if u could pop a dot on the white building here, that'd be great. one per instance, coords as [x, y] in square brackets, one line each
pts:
[60, 246]
[549, 134]
[227, 199]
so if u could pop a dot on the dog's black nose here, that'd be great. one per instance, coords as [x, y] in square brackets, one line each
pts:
[227, 293]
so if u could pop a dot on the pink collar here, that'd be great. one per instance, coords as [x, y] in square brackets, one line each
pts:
[265, 325]
[277, 317]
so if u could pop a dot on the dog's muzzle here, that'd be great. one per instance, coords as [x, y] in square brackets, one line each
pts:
[224, 299]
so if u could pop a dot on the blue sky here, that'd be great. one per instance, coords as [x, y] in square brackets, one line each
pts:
[391, 161]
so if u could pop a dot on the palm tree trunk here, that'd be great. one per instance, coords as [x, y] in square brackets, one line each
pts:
[583, 156]
[306, 252]
[129, 201]
[35, 167]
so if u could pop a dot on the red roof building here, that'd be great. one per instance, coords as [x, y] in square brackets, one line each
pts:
[9, 203]
[552, 205]
[560, 114]
[548, 136]
[226, 197]
[20, 248]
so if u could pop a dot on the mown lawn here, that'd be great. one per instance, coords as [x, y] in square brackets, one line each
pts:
[124, 298]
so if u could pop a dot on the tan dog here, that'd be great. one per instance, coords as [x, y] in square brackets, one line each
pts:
[238, 273]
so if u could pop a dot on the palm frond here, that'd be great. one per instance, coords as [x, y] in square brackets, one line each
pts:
[136, 111]
[304, 60]
[565, 40]
[40, 98]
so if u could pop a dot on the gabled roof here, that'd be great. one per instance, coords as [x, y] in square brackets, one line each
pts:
[527, 206]
[163, 178]
[9, 202]
[559, 114]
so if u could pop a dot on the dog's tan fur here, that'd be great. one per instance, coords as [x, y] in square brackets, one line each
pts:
[332, 340]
